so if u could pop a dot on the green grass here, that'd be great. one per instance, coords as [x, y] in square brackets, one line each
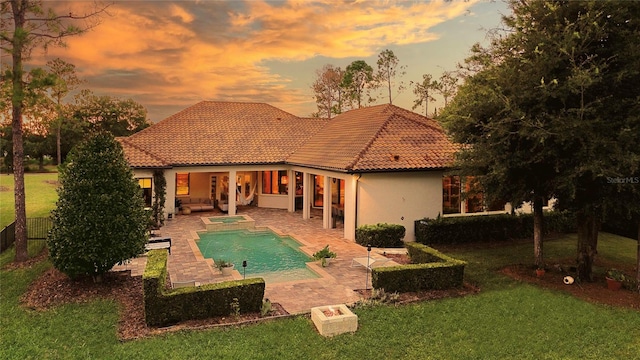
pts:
[40, 192]
[507, 320]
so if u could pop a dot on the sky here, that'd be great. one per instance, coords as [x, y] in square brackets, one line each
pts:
[168, 55]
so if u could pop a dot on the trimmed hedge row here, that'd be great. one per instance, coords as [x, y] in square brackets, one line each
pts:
[165, 307]
[432, 270]
[381, 235]
[484, 228]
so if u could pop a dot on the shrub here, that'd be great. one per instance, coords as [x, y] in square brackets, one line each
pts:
[165, 307]
[431, 270]
[381, 235]
[99, 218]
[485, 228]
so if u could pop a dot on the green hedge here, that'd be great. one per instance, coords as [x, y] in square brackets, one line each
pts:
[432, 270]
[485, 228]
[381, 235]
[165, 307]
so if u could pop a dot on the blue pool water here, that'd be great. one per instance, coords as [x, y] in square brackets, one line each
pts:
[271, 256]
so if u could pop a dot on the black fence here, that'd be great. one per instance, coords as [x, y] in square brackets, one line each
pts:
[37, 229]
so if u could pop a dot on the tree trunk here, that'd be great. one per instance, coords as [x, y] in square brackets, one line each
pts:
[586, 250]
[19, 195]
[538, 232]
[17, 100]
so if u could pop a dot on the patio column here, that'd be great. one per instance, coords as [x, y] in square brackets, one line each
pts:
[291, 191]
[326, 204]
[306, 194]
[170, 200]
[232, 192]
[350, 186]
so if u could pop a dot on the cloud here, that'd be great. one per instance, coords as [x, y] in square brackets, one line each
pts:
[189, 51]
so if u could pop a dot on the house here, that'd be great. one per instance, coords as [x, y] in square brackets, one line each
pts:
[375, 164]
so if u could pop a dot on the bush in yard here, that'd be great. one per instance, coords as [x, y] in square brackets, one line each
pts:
[99, 218]
[380, 235]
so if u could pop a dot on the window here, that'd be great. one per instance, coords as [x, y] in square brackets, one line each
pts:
[451, 194]
[474, 201]
[182, 184]
[474, 197]
[275, 182]
[145, 185]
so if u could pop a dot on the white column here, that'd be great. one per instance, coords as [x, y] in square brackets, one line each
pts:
[291, 191]
[170, 200]
[306, 194]
[232, 192]
[326, 203]
[350, 186]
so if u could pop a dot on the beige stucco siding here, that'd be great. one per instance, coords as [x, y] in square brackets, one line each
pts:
[399, 198]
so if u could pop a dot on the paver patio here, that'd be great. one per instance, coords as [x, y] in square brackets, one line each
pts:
[336, 284]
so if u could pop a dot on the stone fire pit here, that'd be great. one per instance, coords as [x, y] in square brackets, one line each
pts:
[334, 319]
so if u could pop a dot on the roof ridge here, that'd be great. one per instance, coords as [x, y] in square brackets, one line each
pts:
[373, 138]
[431, 123]
[125, 139]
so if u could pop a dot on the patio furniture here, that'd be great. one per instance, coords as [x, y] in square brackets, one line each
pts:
[372, 262]
[159, 243]
[195, 204]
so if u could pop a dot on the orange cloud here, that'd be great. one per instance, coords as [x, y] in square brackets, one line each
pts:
[184, 52]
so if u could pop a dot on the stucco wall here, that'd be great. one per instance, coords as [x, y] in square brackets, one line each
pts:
[399, 198]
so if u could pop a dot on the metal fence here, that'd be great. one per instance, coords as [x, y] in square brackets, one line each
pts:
[37, 229]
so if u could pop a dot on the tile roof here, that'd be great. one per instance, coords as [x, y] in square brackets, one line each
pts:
[139, 158]
[215, 133]
[377, 138]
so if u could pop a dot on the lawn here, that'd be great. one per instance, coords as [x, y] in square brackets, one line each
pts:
[507, 320]
[40, 192]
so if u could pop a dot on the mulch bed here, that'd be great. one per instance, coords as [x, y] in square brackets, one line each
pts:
[595, 292]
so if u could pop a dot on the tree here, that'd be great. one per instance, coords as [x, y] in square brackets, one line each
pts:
[106, 113]
[26, 25]
[65, 81]
[387, 70]
[327, 90]
[358, 78]
[424, 90]
[552, 110]
[447, 85]
[99, 218]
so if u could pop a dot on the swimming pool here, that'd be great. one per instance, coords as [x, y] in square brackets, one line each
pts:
[271, 256]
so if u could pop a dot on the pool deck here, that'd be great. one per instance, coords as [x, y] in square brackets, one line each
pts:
[336, 286]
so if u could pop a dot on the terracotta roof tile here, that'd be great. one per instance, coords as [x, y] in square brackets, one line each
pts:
[211, 133]
[377, 138]
[139, 158]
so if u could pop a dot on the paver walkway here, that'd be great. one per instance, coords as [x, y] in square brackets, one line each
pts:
[336, 286]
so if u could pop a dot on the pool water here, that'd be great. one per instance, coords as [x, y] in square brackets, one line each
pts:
[270, 256]
[227, 219]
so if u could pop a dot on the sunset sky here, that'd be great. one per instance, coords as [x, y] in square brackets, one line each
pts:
[168, 55]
